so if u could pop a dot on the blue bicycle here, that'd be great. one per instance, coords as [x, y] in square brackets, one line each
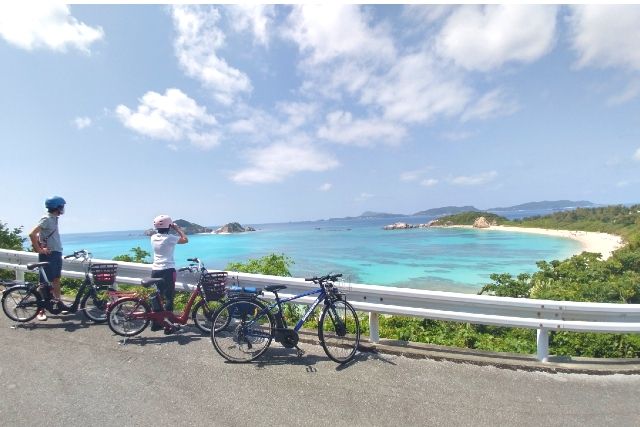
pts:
[254, 323]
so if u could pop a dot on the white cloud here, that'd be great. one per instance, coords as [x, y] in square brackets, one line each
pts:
[429, 182]
[414, 175]
[362, 197]
[417, 90]
[325, 187]
[636, 155]
[256, 17]
[606, 35]
[280, 160]
[457, 135]
[297, 114]
[43, 25]
[479, 179]
[631, 91]
[492, 104]
[82, 122]
[425, 14]
[341, 127]
[347, 58]
[483, 38]
[172, 117]
[198, 39]
[332, 31]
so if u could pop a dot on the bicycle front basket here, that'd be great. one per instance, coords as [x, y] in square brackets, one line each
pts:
[214, 285]
[104, 274]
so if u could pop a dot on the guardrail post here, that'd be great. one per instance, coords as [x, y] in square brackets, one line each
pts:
[542, 341]
[19, 274]
[374, 328]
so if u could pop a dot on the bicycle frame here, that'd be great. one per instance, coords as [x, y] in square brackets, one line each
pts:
[46, 302]
[183, 318]
[281, 323]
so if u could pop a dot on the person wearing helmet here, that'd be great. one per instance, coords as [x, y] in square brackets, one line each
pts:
[164, 266]
[45, 240]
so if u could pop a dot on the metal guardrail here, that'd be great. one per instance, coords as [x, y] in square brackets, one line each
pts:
[542, 315]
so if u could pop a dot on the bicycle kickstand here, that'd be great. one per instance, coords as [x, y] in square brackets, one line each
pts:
[299, 351]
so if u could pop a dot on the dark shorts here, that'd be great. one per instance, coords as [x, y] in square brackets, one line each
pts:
[167, 288]
[54, 269]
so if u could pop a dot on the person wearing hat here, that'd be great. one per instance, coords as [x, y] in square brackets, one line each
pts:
[45, 240]
[164, 266]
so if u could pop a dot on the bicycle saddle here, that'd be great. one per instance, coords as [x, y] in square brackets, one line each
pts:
[35, 265]
[149, 281]
[274, 288]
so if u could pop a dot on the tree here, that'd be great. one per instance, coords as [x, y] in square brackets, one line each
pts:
[273, 265]
[11, 239]
[139, 255]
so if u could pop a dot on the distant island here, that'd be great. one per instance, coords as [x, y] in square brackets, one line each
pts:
[187, 227]
[192, 228]
[446, 210]
[555, 205]
[233, 227]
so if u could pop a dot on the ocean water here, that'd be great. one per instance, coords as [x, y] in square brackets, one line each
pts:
[450, 259]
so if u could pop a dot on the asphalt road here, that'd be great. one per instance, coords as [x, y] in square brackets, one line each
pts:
[66, 371]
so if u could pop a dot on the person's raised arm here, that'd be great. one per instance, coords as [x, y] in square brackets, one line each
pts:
[183, 237]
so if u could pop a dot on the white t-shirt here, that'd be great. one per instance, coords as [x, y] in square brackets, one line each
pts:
[163, 246]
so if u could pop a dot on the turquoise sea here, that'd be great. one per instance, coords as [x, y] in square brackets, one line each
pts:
[450, 259]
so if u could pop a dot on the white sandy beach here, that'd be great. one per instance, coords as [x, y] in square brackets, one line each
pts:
[591, 242]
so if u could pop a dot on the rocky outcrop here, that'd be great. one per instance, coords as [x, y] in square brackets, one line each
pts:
[481, 222]
[187, 227]
[191, 228]
[233, 227]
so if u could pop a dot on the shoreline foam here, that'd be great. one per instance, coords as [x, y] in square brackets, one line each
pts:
[590, 241]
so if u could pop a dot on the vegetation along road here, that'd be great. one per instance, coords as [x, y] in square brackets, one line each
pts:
[68, 372]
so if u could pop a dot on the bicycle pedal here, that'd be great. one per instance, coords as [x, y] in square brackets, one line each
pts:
[299, 352]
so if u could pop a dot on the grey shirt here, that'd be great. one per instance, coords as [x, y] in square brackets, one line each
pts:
[49, 235]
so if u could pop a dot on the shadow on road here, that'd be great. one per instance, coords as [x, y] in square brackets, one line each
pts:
[183, 337]
[68, 323]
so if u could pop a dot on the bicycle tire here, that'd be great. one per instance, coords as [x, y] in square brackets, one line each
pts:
[97, 310]
[120, 320]
[202, 315]
[337, 320]
[20, 303]
[237, 342]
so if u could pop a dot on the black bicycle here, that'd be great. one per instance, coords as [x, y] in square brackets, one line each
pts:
[252, 324]
[22, 301]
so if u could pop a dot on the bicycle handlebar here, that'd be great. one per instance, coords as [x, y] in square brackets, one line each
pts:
[193, 267]
[325, 278]
[82, 253]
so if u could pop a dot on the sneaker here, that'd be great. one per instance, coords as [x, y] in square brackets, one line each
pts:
[41, 316]
[168, 330]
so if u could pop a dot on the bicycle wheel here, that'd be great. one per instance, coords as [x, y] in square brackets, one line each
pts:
[339, 331]
[128, 317]
[202, 315]
[246, 330]
[20, 303]
[94, 306]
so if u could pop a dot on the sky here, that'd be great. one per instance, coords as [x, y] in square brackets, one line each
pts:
[260, 113]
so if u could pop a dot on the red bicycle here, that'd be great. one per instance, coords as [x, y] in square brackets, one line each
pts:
[130, 315]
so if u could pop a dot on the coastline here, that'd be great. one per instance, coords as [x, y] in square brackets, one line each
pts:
[590, 241]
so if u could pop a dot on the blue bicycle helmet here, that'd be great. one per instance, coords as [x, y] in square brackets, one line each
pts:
[54, 202]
